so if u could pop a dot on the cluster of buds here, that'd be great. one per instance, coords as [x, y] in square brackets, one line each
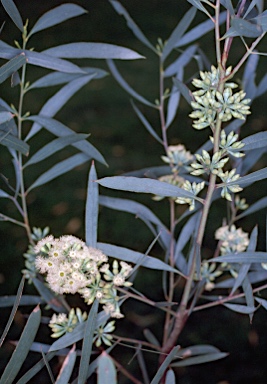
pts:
[210, 103]
[71, 266]
[208, 273]
[232, 240]
[177, 157]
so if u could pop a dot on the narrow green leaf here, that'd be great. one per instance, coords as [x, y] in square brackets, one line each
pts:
[19, 355]
[126, 254]
[59, 169]
[35, 369]
[91, 209]
[151, 337]
[146, 123]
[67, 367]
[55, 146]
[49, 297]
[9, 301]
[240, 308]
[59, 129]
[125, 85]
[242, 257]
[106, 372]
[90, 327]
[132, 25]
[58, 100]
[200, 359]
[198, 5]
[13, 13]
[12, 66]
[174, 99]
[56, 16]
[183, 89]
[5, 116]
[13, 312]
[193, 350]
[57, 78]
[181, 62]
[142, 185]
[165, 365]
[258, 140]
[178, 32]
[170, 377]
[13, 142]
[92, 51]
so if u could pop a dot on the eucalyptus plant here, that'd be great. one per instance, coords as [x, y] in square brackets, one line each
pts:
[221, 169]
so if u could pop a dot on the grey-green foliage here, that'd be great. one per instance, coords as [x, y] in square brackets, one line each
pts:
[181, 251]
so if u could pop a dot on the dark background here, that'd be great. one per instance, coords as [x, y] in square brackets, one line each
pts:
[102, 109]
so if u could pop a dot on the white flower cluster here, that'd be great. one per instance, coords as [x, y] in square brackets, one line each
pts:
[232, 240]
[210, 103]
[71, 266]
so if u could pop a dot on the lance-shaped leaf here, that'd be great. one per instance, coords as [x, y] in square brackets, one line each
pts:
[90, 327]
[244, 28]
[165, 364]
[126, 254]
[198, 5]
[170, 377]
[61, 130]
[12, 66]
[146, 123]
[106, 371]
[13, 142]
[8, 301]
[240, 308]
[132, 25]
[58, 100]
[25, 379]
[19, 355]
[48, 296]
[58, 78]
[39, 59]
[200, 30]
[258, 140]
[261, 20]
[262, 87]
[135, 184]
[56, 16]
[13, 13]
[59, 169]
[92, 51]
[67, 367]
[55, 146]
[13, 312]
[126, 86]
[5, 116]
[91, 209]
[200, 359]
[248, 80]
[174, 100]
[182, 61]
[178, 32]
[183, 89]
[242, 257]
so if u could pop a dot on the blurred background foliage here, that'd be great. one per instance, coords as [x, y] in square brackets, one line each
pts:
[103, 109]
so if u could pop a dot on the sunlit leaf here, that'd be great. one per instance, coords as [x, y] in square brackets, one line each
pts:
[91, 209]
[146, 123]
[128, 255]
[56, 16]
[59, 169]
[12, 66]
[106, 371]
[13, 13]
[135, 184]
[178, 32]
[92, 51]
[131, 24]
[22, 349]
[126, 86]
[59, 129]
[55, 146]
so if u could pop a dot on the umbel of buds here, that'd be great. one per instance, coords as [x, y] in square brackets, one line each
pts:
[71, 266]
